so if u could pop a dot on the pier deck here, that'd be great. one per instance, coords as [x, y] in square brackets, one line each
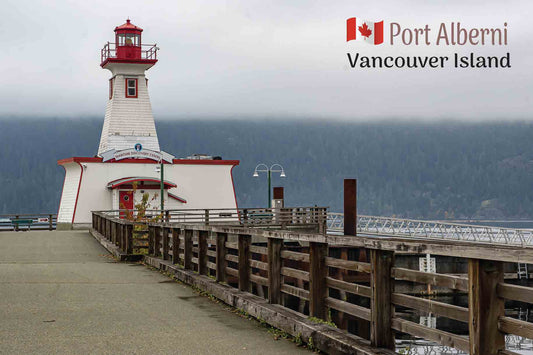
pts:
[62, 293]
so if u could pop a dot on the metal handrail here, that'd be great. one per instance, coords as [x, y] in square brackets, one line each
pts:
[398, 227]
[110, 49]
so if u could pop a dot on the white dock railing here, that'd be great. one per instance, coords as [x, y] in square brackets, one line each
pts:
[397, 227]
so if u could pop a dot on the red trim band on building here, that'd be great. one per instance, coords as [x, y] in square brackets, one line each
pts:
[148, 161]
[182, 200]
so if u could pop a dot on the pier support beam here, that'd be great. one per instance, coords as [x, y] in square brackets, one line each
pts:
[485, 307]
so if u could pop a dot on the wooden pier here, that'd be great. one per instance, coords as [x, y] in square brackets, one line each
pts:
[292, 289]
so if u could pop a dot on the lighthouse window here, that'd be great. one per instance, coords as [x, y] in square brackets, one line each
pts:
[110, 89]
[131, 87]
[129, 39]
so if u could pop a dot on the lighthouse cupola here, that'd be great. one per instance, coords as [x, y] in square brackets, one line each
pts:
[128, 118]
[128, 40]
[128, 47]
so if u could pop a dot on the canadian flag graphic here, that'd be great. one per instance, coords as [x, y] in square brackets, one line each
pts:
[357, 29]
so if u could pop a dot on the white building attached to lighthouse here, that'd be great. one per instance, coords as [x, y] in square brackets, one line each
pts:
[129, 151]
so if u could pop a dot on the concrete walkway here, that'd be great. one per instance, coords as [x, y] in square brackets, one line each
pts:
[61, 293]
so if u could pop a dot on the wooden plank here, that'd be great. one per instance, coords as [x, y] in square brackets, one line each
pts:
[428, 278]
[129, 239]
[202, 252]
[166, 243]
[232, 245]
[485, 307]
[382, 285]
[438, 336]
[515, 292]
[212, 266]
[232, 258]
[157, 241]
[354, 288]
[348, 264]
[232, 271]
[295, 291]
[431, 306]
[517, 327]
[297, 274]
[259, 250]
[259, 280]
[274, 270]
[212, 253]
[175, 245]
[258, 264]
[317, 275]
[293, 255]
[354, 310]
[508, 352]
[187, 249]
[244, 262]
[221, 257]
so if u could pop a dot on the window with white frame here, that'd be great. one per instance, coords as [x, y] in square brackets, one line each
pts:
[131, 87]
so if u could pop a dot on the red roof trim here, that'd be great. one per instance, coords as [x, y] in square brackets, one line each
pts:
[148, 161]
[77, 194]
[129, 61]
[129, 180]
[177, 198]
[205, 162]
[128, 26]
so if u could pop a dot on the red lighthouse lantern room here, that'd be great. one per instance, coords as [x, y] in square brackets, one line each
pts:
[128, 47]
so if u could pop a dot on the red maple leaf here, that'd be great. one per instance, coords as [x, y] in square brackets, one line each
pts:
[365, 31]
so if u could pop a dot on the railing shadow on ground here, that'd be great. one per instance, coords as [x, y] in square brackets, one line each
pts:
[308, 273]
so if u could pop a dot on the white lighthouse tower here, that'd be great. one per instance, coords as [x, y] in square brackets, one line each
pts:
[128, 116]
[129, 149]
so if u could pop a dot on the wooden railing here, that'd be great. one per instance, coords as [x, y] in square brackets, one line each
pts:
[283, 218]
[307, 273]
[34, 221]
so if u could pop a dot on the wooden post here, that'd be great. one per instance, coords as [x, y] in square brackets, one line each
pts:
[157, 241]
[187, 246]
[485, 307]
[350, 207]
[274, 270]
[129, 238]
[202, 252]
[123, 237]
[167, 216]
[165, 243]
[50, 224]
[244, 262]
[318, 290]
[175, 245]
[221, 257]
[206, 217]
[151, 237]
[381, 334]
[116, 231]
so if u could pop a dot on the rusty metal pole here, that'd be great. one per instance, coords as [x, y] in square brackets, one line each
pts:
[350, 207]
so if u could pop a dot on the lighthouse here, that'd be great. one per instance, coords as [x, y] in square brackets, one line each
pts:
[125, 166]
[128, 116]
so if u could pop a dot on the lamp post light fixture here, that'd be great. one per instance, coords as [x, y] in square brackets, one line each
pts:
[263, 168]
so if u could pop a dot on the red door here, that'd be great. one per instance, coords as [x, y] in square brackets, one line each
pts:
[125, 201]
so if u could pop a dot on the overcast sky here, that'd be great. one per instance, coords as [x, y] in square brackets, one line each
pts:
[268, 59]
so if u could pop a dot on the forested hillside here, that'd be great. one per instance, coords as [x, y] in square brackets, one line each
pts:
[444, 170]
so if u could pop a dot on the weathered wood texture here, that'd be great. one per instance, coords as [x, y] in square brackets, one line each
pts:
[274, 270]
[317, 275]
[485, 307]
[288, 270]
[381, 334]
